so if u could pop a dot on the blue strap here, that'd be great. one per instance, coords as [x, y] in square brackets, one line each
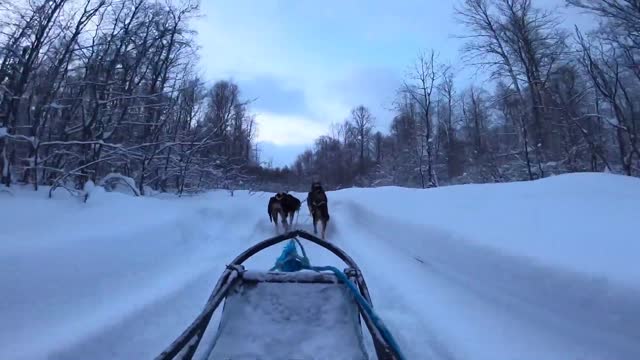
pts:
[290, 261]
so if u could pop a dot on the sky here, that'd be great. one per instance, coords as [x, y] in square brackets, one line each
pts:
[307, 63]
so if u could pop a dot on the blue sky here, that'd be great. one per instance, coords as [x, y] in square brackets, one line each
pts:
[307, 63]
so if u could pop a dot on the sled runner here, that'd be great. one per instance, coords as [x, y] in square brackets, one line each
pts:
[293, 311]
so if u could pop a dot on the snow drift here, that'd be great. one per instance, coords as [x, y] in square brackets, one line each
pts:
[582, 222]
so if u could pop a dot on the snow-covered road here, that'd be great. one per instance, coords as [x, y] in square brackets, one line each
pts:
[125, 283]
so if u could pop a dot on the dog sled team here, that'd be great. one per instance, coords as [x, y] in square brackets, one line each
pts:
[284, 206]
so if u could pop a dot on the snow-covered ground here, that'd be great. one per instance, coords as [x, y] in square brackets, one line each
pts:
[536, 270]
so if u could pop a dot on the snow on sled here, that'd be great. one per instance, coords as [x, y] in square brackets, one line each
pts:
[293, 311]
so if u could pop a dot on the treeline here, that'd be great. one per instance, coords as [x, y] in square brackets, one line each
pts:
[92, 88]
[563, 102]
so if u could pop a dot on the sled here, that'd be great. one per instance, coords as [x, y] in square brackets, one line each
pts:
[293, 311]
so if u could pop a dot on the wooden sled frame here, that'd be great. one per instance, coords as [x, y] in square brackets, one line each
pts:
[185, 346]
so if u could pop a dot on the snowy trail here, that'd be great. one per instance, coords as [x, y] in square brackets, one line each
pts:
[142, 332]
[121, 277]
[508, 307]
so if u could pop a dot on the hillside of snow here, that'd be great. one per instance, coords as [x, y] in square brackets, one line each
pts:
[532, 270]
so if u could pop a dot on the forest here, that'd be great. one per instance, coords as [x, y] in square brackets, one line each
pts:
[101, 91]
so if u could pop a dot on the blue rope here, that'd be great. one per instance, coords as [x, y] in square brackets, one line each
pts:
[290, 261]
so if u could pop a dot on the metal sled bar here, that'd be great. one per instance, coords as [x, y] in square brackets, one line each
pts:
[193, 334]
[305, 235]
[383, 350]
[252, 276]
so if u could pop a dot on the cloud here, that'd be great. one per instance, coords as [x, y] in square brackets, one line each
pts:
[281, 129]
[316, 62]
[253, 43]
[271, 94]
[280, 155]
[373, 87]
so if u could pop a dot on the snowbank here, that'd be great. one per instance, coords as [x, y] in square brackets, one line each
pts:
[69, 270]
[582, 222]
[119, 183]
[532, 270]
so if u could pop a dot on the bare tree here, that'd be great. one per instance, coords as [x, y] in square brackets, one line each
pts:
[420, 86]
[610, 58]
[516, 41]
[363, 127]
[608, 76]
[95, 88]
[449, 129]
[21, 55]
[475, 118]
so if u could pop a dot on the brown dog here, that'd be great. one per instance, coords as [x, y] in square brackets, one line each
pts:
[317, 203]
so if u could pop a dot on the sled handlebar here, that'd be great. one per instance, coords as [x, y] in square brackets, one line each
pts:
[314, 239]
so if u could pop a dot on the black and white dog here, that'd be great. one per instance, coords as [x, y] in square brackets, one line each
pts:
[285, 205]
[291, 206]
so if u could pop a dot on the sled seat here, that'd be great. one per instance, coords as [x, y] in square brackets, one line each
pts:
[303, 316]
